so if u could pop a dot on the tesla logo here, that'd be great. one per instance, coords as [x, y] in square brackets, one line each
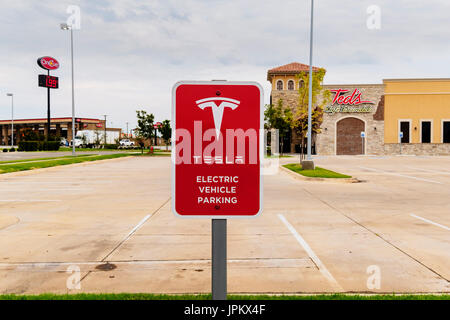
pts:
[217, 110]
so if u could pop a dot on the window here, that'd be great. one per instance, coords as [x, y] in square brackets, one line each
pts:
[279, 85]
[404, 127]
[291, 85]
[301, 84]
[446, 131]
[425, 131]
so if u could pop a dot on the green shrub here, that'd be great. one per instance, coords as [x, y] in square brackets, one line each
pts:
[50, 146]
[39, 146]
[111, 146]
[30, 145]
[5, 150]
[12, 150]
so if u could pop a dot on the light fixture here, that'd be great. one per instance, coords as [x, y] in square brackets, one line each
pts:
[64, 26]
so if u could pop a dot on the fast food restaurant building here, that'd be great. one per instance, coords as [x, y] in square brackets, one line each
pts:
[407, 116]
[59, 126]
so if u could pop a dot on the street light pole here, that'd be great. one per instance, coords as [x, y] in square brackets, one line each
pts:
[309, 157]
[12, 118]
[127, 129]
[65, 26]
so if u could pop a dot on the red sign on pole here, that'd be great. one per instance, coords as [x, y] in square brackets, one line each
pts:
[217, 149]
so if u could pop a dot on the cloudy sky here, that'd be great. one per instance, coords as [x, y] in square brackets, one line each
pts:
[129, 53]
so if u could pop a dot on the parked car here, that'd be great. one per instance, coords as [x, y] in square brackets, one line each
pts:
[126, 143]
[64, 142]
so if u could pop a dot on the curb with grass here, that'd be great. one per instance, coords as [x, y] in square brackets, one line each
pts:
[323, 175]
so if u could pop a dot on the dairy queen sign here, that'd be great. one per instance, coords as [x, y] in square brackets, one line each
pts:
[349, 101]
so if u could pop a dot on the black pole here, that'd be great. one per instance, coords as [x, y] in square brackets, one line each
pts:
[219, 259]
[48, 110]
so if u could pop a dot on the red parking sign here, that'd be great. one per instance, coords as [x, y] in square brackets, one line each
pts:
[217, 149]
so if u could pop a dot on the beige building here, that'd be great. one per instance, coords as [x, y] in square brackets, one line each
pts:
[352, 121]
[408, 116]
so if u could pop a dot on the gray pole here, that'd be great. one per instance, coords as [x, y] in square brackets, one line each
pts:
[73, 93]
[105, 127]
[363, 143]
[12, 120]
[127, 129]
[219, 259]
[310, 83]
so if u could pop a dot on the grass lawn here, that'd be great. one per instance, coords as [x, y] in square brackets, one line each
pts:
[146, 296]
[318, 172]
[278, 156]
[42, 159]
[154, 154]
[31, 164]
[66, 149]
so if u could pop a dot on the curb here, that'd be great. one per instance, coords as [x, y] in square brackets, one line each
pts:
[298, 176]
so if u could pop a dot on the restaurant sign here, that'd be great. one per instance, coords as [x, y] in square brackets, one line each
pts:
[349, 103]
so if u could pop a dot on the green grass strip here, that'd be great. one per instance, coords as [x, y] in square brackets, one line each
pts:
[147, 296]
[277, 156]
[42, 159]
[58, 162]
[318, 172]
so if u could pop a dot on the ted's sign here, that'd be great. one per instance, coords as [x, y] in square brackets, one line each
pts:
[217, 149]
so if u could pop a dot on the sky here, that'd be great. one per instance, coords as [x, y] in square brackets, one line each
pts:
[129, 53]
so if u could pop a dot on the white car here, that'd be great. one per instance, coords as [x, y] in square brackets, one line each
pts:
[126, 143]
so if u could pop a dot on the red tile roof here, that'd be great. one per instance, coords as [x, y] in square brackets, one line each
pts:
[291, 68]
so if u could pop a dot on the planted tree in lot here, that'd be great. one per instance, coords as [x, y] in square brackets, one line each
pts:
[144, 130]
[279, 117]
[97, 138]
[166, 131]
[300, 119]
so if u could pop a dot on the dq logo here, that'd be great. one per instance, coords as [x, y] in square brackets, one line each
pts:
[217, 110]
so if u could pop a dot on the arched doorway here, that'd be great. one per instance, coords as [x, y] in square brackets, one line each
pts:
[348, 136]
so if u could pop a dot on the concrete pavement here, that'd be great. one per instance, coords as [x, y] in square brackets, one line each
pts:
[311, 237]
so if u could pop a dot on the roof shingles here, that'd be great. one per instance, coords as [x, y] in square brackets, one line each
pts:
[291, 68]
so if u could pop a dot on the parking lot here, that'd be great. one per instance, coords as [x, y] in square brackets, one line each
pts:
[111, 220]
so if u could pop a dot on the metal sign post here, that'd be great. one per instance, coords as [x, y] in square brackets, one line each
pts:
[219, 259]
[363, 136]
[400, 145]
[48, 108]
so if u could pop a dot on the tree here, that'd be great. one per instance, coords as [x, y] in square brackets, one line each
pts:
[166, 131]
[145, 129]
[97, 138]
[279, 117]
[300, 120]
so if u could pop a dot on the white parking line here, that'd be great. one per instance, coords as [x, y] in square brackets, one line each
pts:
[428, 170]
[400, 175]
[431, 222]
[311, 254]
